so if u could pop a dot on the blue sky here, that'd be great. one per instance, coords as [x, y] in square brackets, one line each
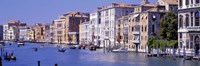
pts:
[45, 11]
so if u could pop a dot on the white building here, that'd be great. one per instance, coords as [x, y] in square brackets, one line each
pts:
[84, 35]
[11, 30]
[108, 17]
[189, 26]
[9, 33]
[23, 33]
[94, 27]
[59, 30]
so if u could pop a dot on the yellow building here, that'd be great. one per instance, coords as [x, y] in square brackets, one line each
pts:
[66, 28]
[122, 26]
[144, 23]
[38, 31]
[30, 34]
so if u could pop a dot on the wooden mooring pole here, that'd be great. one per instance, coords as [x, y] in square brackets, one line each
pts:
[38, 63]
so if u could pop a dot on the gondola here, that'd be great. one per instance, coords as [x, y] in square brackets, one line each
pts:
[2, 43]
[61, 50]
[92, 48]
[9, 56]
[72, 47]
[21, 43]
[35, 49]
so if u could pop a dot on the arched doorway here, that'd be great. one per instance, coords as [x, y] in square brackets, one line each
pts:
[197, 41]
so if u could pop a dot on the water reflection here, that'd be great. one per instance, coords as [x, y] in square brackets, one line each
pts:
[49, 55]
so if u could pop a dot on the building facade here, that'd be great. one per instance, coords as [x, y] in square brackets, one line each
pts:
[23, 33]
[47, 33]
[189, 26]
[30, 34]
[59, 30]
[84, 35]
[108, 16]
[38, 32]
[66, 28]
[1, 33]
[11, 30]
[143, 23]
[122, 26]
[94, 28]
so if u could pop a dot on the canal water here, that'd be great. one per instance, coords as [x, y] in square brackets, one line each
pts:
[49, 55]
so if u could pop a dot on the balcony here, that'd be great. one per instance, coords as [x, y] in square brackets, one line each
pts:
[136, 41]
[136, 32]
[190, 28]
[193, 28]
[189, 6]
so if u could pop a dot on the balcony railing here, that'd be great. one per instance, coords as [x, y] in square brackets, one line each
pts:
[193, 28]
[136, 32]
[189, 6]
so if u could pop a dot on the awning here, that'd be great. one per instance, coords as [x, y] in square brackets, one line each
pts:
[136, 15]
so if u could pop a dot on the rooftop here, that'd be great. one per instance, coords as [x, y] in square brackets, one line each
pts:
[116, 5]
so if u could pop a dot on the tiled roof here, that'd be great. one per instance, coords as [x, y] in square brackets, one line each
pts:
[171, 1]
[116, 5]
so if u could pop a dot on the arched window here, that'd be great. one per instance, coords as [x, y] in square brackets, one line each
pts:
[191, 19]
[197, 18]
[196, 40]
[180, 2]
[197, 1]
[180, 21]
[187, 2]
[187, 20]
[153, 29]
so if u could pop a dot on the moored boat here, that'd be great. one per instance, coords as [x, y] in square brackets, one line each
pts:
[120, 50]
[2, 43]
[61, 50]
[21, 43]
[72, 47]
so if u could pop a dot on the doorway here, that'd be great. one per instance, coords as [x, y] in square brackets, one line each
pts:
[197, 40]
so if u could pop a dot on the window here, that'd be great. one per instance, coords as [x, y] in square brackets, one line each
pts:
[59, 32]
[59, 25]
[191, 1]
[142, 28]
[145, 28]
[107, 33]
[106, 13]
[187, 20]
[187, 2]
[191, 45]
[197, 1]
[126, 13]
[180, 35]
[99, 22]
[191, 18]
[132, 28]
[106, 23]
[180, 21]
[197, 18]
[153, 29]
[180, 2]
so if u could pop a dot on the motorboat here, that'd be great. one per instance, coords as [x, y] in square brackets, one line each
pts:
[188, 58]
[120, 50]
[21, 43]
